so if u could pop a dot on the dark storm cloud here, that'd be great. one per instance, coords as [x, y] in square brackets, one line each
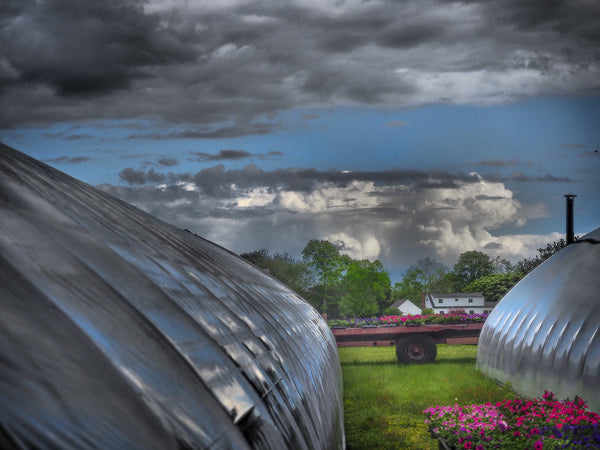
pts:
[488, 197]
[394, 216]
[85, 48]
[67, 137]
[232, 155]
[406, 35]
[218, 133]
[550, 15]
[223, 155]
[132, 176]
[210, 64]
[68, 160]
[168, 162]
[219, 182]
[493, 246]
[547, 178]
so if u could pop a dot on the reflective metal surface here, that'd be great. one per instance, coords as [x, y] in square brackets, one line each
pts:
[120, 331]
[544, 334]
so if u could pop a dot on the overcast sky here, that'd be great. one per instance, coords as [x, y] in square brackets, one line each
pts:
[398, 129]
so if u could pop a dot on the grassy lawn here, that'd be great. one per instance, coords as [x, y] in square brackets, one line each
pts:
[384, 400]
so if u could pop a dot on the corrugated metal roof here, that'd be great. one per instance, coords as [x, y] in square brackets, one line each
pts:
[544, 334]
[120, 331]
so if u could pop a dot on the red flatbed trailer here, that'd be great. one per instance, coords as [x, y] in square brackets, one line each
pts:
[414, 344]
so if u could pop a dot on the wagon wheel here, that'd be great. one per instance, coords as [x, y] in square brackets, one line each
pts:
[416, 349]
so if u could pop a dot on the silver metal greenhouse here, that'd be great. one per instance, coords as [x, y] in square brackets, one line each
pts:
[545, 333]
[120, 331]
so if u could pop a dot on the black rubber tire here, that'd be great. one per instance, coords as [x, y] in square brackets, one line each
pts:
[416, 349]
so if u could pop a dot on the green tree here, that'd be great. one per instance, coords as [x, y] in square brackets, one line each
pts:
[410, 287]
[327, 268]
[324, 260]
[432, 272]
[367, 289]
[382, 285]
[495, 286]
[526, 265]
[426, 275]
[502, 265]
[447, 284]
[551, 249]
[284, 267]
[292, 272]
[472, 265]
[259, 258]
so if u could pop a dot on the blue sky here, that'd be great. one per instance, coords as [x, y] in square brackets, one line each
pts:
[398, 131]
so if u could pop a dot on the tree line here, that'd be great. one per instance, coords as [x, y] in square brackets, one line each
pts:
[341, 286]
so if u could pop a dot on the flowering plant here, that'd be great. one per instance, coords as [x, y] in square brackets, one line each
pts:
[411, 319]
[537, 424]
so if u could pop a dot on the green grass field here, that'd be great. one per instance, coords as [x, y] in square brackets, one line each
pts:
[384, 400]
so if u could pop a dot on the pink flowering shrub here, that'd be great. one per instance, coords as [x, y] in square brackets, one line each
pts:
[538, 424]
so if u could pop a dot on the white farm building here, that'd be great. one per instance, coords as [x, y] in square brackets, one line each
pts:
[472, 303]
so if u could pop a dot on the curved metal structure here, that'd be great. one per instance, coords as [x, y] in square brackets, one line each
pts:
[120, 331]
[545, 333]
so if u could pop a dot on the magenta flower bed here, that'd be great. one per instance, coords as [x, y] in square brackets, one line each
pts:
[416, 319]
[432, 318]
[538, 424]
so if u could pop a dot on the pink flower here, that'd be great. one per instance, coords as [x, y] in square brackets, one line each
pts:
[468, 444]
[539, 445]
